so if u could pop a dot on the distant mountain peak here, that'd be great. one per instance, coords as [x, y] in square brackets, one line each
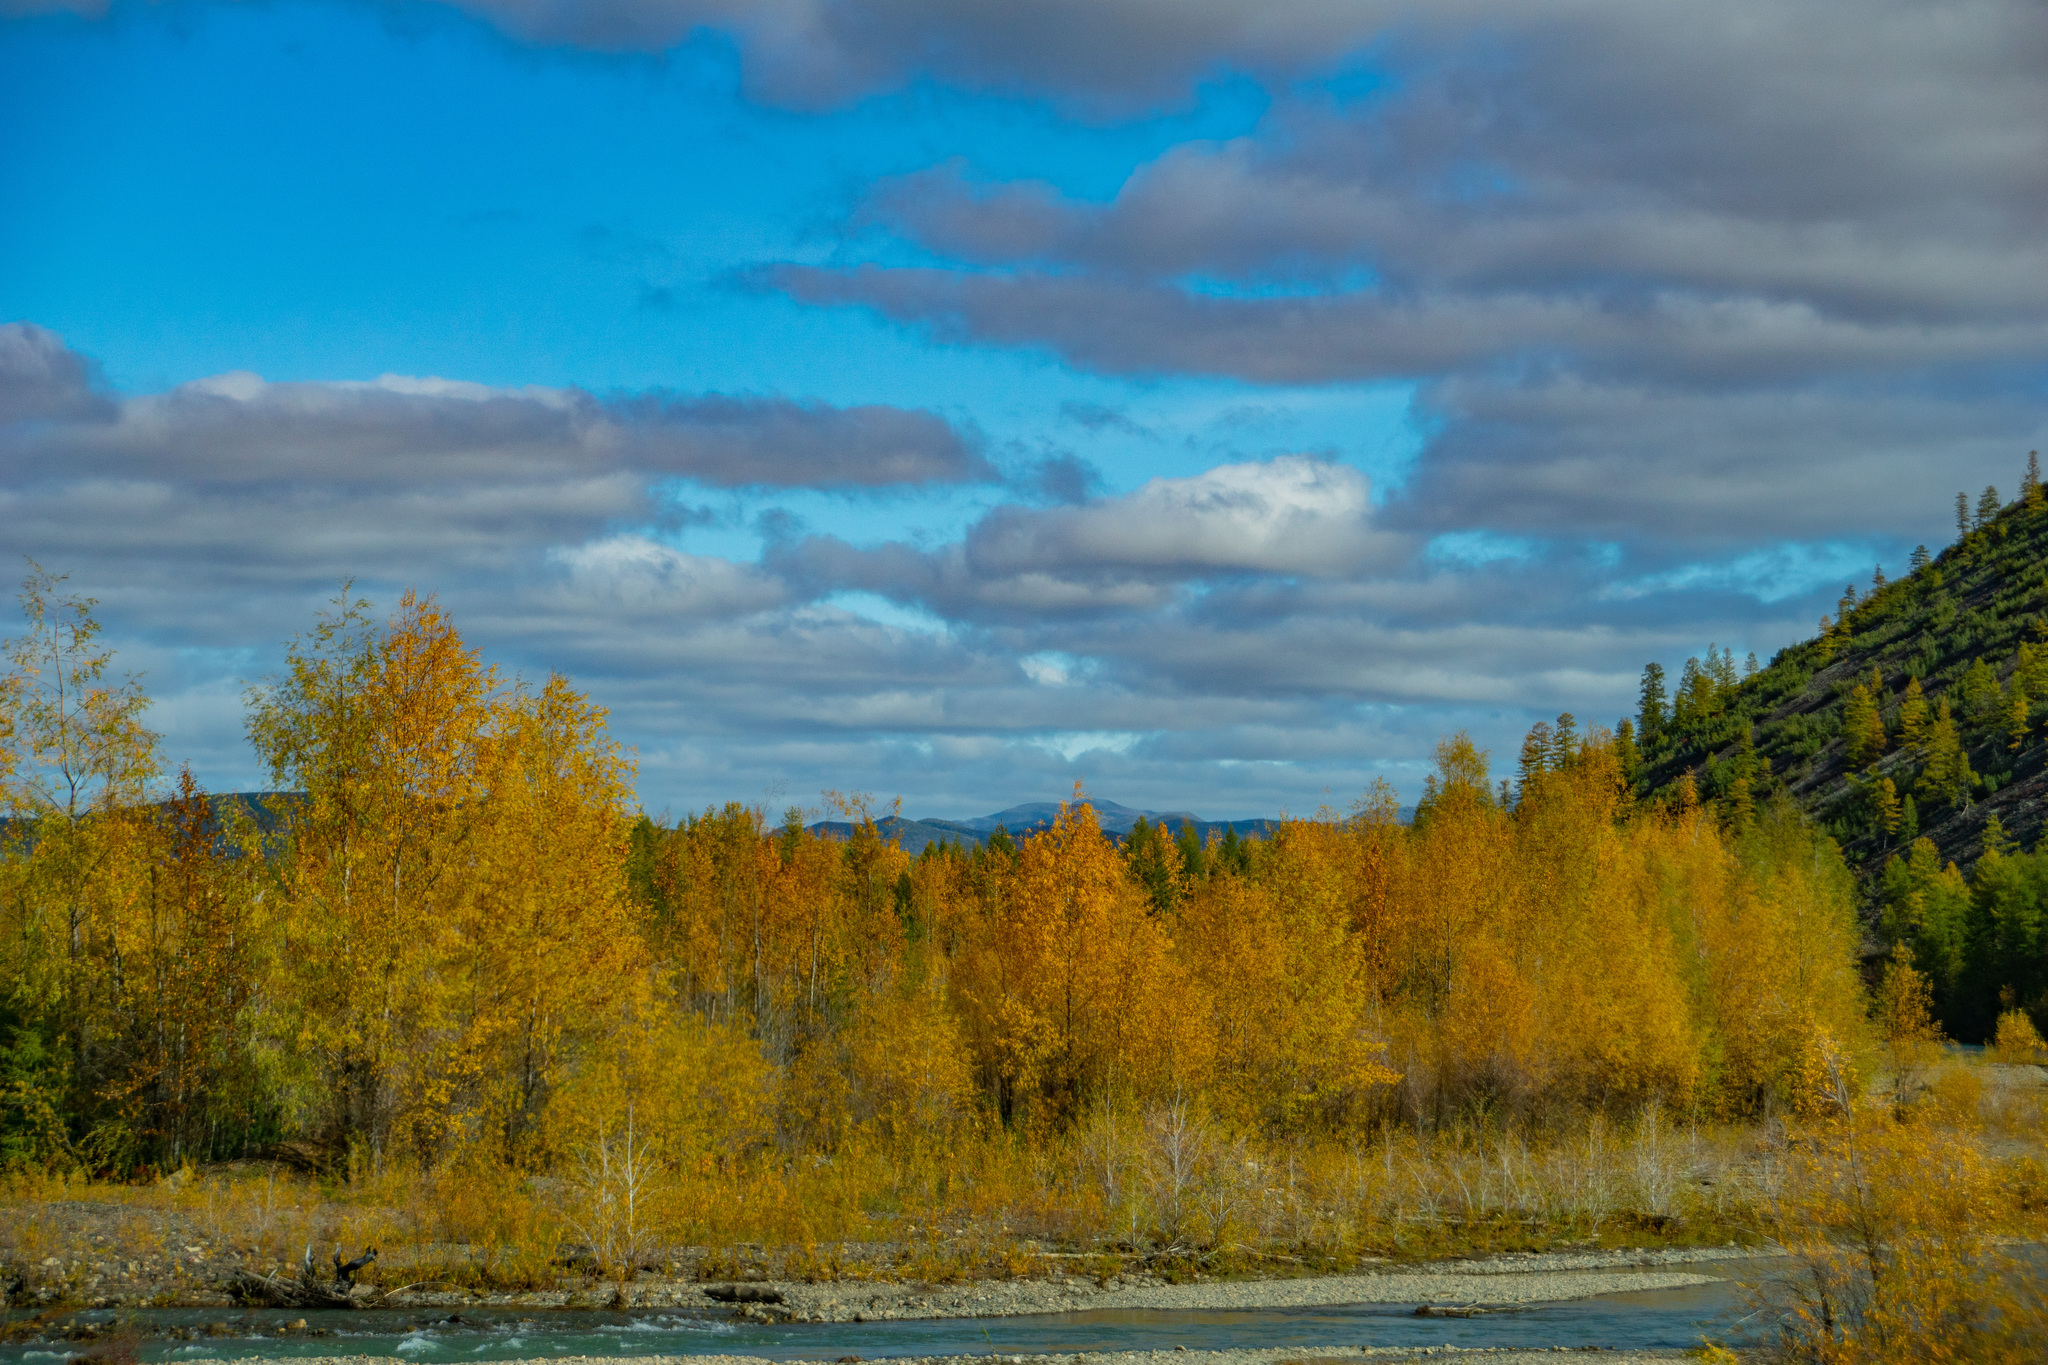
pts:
[1029, 817]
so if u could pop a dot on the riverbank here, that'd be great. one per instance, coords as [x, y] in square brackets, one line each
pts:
[1266, 1356]
[1541, 1277]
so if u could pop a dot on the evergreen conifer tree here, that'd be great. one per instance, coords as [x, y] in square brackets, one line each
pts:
[1626, 753]
[1920, 560]
[1564, 742]
[2030, 487]
[1987, 506]
[1745, 769]
[1193, 857]
[1962, 515]
[1537, 746]
[1650, 714]
[1983, 703]
[1231, 853]
[1947, 776]
[1721, 670]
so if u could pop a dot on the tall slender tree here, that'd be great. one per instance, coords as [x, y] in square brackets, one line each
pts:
[1651, 708]
[1987, 506]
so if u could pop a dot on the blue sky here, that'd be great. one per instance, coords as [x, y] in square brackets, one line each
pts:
[956, 401]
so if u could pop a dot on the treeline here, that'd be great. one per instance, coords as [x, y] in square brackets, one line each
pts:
[460, 944]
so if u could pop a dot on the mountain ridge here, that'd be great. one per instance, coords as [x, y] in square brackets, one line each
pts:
[1030, 817]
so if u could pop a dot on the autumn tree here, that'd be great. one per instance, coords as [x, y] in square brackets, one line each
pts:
[1913, 717]
[454, 879]
[74, 775]
[1070, 989]
[1884, 807]
[1863, 734]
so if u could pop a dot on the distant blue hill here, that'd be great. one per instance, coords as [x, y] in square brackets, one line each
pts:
[1030, 818]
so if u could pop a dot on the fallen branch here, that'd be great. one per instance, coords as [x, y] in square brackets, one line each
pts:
[308, 1290]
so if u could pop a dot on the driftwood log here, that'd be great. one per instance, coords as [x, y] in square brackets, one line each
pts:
[310, 1289]
[743, 1293]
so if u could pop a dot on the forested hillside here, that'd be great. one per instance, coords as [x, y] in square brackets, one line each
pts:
[1913, 727]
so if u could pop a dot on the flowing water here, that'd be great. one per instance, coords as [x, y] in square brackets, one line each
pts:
[1640, 1319]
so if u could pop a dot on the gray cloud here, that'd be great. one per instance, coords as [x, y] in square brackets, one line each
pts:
[1109, 57]
[736, 442]
[418, 432]
[1292, 516]
[42, 379]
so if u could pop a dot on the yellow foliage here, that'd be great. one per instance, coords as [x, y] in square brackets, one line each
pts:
[1896, 1229]
[1070, 988]
[2017, 1040]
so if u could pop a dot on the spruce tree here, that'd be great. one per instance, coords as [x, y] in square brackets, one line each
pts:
[1920, 560]
[1231, 854]
[1564, 742]
[1650, 715]
[1962, 515]
[1626, 753]
[1537, 746]
[2030, 486]
[1745, 768]
[1695, 694]
[1194, 859]
[1721, 669]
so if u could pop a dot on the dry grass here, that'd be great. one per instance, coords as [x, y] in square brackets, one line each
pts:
[1171, 1189]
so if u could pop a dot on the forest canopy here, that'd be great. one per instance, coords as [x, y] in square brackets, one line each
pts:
[456, 940]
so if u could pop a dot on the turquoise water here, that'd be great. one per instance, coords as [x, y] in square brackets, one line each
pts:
[1642, 1319]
